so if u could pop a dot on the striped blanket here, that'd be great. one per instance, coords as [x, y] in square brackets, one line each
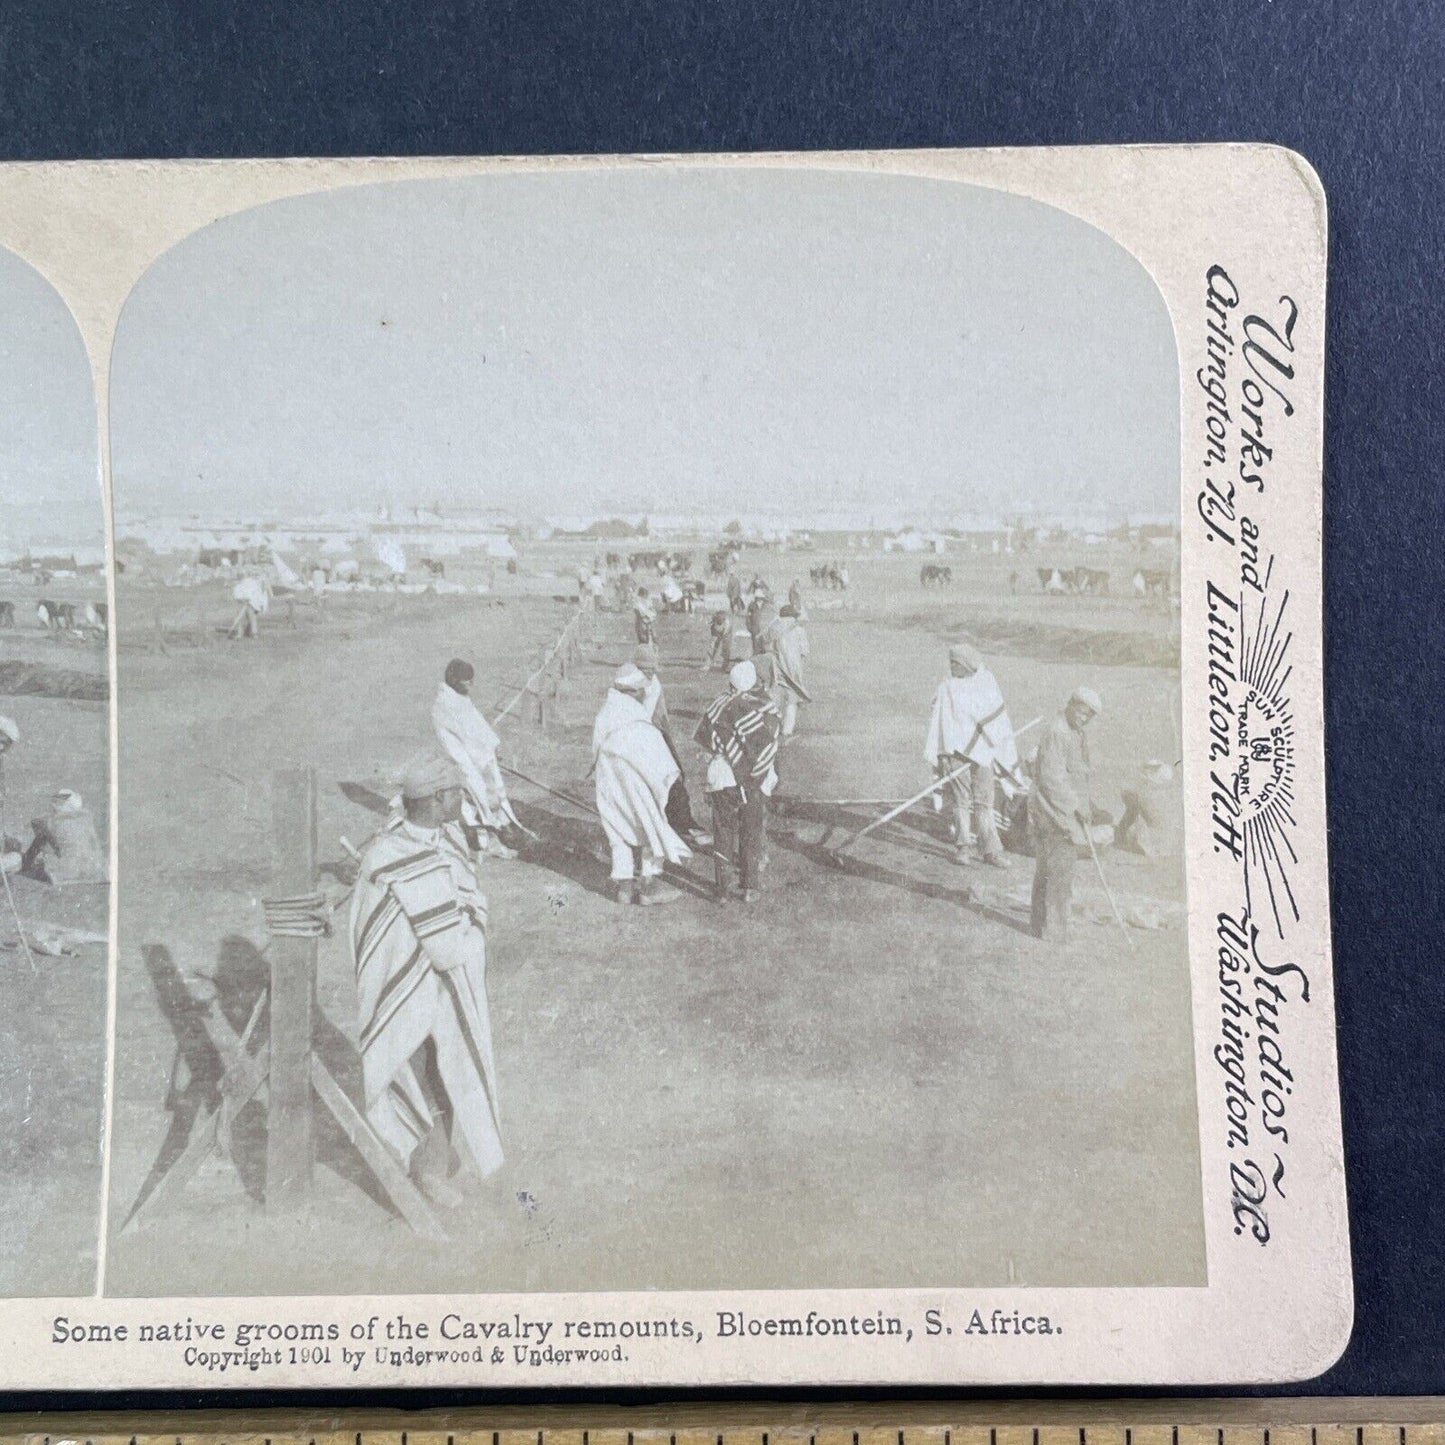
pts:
[743, 729]
[418, 939]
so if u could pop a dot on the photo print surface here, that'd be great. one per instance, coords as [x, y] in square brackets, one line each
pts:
[637, 543]
[54, 795]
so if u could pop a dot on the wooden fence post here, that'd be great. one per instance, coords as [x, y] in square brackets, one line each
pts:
[289, 1147]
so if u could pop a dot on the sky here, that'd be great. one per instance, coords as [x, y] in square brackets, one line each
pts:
[654, 339]
[49, 463]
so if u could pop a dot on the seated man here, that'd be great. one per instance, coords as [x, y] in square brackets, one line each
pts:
[65, 847]
[1153, 821]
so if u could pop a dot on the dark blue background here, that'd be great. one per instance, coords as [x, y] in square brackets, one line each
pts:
[1356, 87]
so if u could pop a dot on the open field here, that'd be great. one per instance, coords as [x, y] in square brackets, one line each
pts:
[875, 1076]
[52, 1020]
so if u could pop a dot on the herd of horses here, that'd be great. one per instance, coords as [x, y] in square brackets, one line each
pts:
[62, 617]
[1064, 581]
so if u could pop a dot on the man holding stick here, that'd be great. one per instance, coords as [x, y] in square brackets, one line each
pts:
[418, 938]
[1060, 814]
[970, 725]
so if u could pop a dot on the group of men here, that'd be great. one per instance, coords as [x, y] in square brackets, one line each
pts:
[418, 916]
[972, 747]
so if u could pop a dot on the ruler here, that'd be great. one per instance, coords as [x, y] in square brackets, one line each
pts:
[1320, 1421]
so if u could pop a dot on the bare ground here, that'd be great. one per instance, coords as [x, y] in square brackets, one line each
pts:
[875, 1076]
[52, 1018]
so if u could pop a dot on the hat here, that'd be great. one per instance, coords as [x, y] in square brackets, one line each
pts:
[630, 678]
[644, 655]
[962, 655]
[9, 729]
[67, 800]
[1088, 697]
[744, 676]
[787, 610]
[428, 774]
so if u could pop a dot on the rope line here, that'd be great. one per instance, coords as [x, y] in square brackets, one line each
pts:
[304, 916]
[546, 663]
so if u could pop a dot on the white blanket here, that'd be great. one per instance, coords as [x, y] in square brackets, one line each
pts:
[970, 720]
[635, 773]
[469, 740]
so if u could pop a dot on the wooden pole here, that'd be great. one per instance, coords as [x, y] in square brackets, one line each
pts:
[289, 1147]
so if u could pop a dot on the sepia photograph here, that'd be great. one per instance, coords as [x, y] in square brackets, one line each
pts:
[54, 795]
[650, 744]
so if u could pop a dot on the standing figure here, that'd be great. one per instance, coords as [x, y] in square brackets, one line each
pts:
[418, 939]
[644, 617]
[470, 741]
[679, 806]
[735, 592]
[761, 615]
[970, 730]
[795, 598]
[1060, 813]
[740, 733]
[788, 644]
[635, 773]
[719, 627]
[255, 598]
[596, 586]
